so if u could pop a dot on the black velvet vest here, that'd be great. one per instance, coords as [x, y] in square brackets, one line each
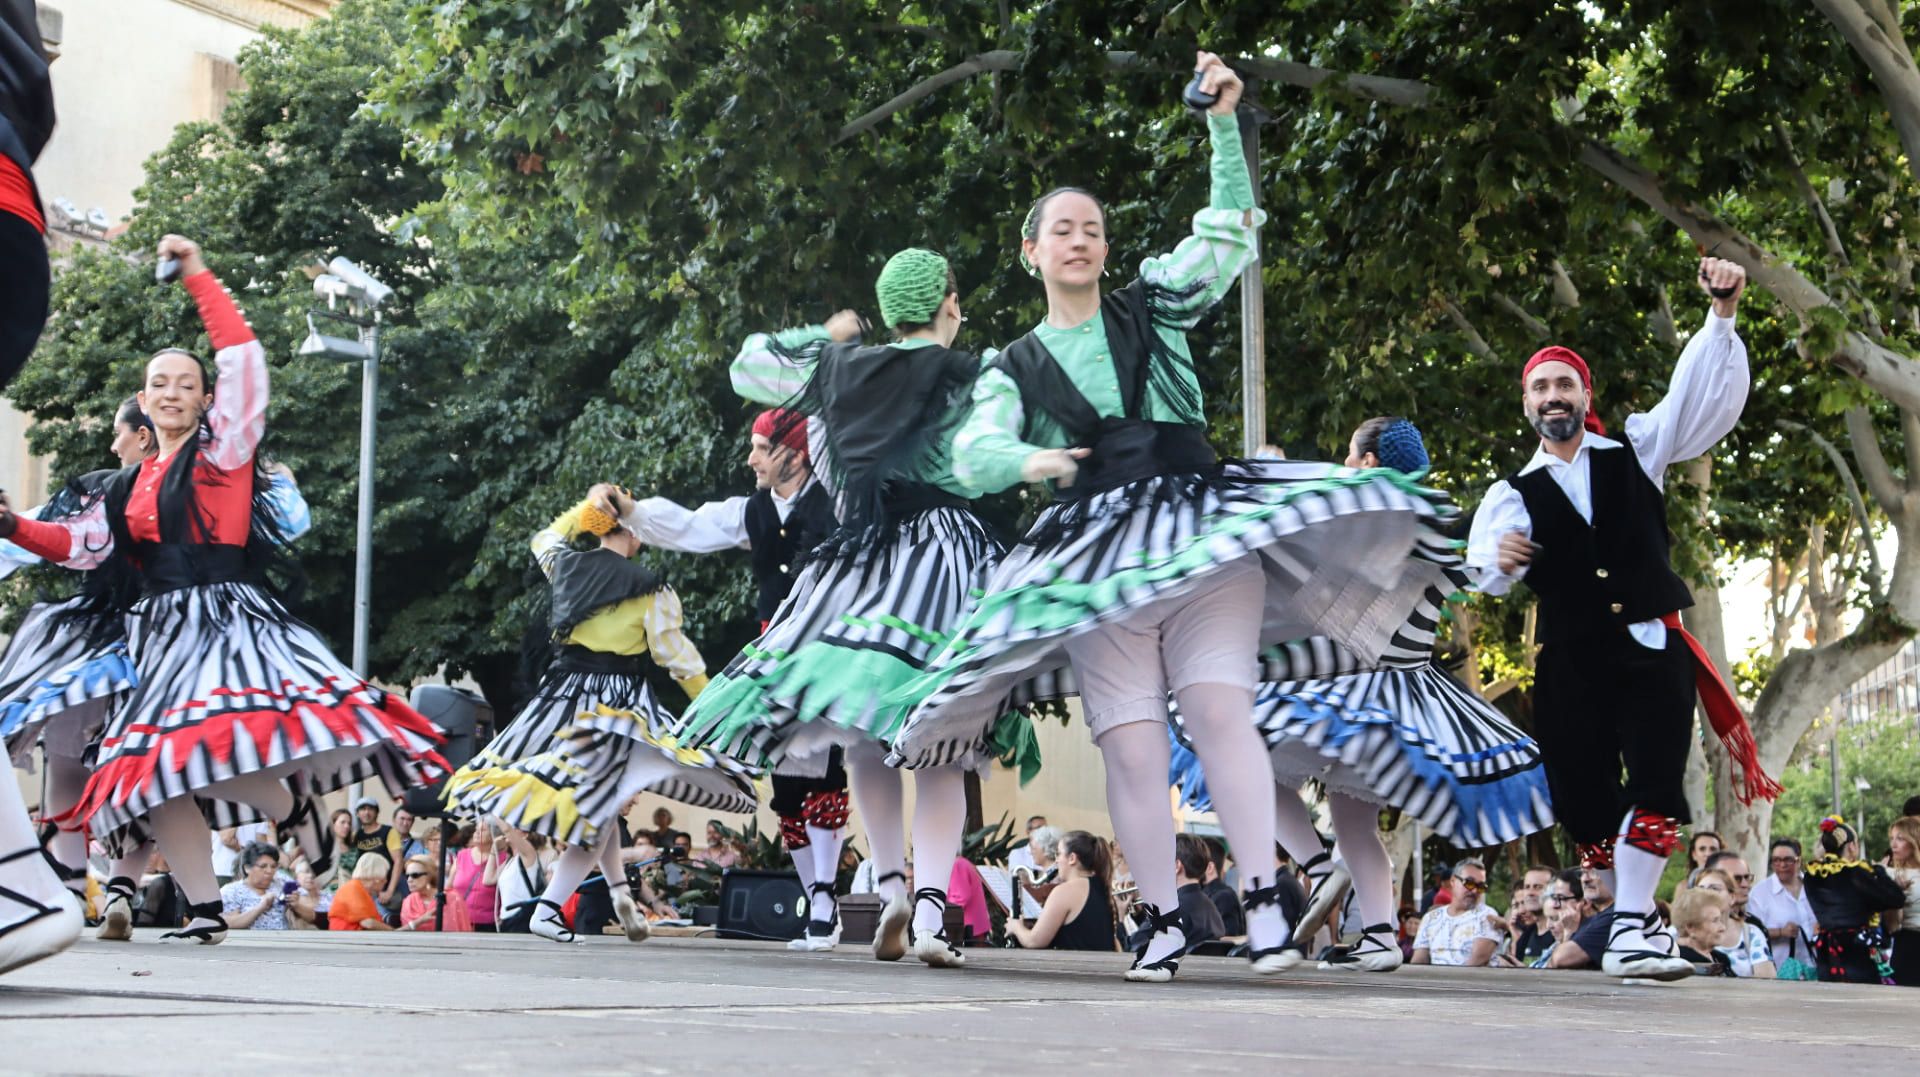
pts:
[779, 548]
[1597, 579]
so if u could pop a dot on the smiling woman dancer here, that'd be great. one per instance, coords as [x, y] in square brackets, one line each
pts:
[238, 701]
[1156, 568]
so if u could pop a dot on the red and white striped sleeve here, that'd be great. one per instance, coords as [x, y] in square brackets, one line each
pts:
[81, 541]
[239, 413]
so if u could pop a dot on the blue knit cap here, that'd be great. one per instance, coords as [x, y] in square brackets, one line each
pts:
[1402, 449]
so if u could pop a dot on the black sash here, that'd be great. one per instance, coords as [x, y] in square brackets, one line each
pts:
[574, 658]
[1128, 450]
[170, 566]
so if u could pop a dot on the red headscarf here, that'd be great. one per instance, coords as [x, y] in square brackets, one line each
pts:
[783, 427]
[1554, 353]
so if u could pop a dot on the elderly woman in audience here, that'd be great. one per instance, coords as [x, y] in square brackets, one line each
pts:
[257, 900]
[1745, 942]
[421, 910]
[1742, 943]
[353, 907]
[1078, 914]
[1699, 921]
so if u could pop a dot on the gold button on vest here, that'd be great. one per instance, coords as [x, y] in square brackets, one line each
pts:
[1600, 572]
[1616, 607]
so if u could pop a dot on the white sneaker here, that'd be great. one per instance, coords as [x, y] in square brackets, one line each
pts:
[36, 940]
[624, 910]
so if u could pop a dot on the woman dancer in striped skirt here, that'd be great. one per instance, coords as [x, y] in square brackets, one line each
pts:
[238, 702]
[878, 598]
[1156, 568]
[593, 735]
[1396, 732]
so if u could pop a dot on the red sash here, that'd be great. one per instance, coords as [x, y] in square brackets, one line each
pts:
[1723, 713]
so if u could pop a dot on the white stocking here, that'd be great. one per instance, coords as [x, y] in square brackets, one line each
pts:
[878, 797]
[939, 816]
[66, 779]
[181, 833]
[1136, 757]
[574, 865]
[1219, 719]
[1356, 823]
[1636, 873]
[1294, 823]
[821, 854]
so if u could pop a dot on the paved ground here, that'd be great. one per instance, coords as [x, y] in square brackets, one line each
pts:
[307, 1003]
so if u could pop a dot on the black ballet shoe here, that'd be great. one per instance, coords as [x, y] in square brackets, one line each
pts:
[936, 949]
[890, 938]
[1272, 960]
[206, 934]
[1162, 970]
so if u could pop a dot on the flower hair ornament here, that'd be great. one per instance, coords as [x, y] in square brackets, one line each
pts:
[1831, 823]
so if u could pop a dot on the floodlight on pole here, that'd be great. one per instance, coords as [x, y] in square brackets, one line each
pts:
[362, 293]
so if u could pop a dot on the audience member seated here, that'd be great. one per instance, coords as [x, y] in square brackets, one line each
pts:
[1038, 845]
[1078, 914]
[418, 912]
[1463, 930]
[1705, 843]
[1190, 863]
[1232, 917]
[256, 900]
[1409, 930]
[353, 907]
[344, 854]
[309, 904]
[474, 874]
[1563, 910]
[1584, 949]
[663, 832]
[1699, 919]
[1743, 943]
[719, 851]
[1532, 938]
[522, 878]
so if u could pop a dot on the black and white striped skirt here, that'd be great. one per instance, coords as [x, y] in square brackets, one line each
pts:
[58, 684]
[580, 749]
[232, 684]
[1331, 542]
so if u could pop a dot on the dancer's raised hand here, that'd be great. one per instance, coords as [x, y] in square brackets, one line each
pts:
[183, 249]
[844, 326]
[1717, 275]
[1217, 78]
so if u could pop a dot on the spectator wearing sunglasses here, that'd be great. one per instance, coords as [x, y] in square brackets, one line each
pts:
[1464, 931]
[1563, 911]
[423, 893]
[1778, 903]
[1582, 950]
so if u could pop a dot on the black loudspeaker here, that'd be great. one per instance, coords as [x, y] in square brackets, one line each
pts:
[460, 714]
[761, 905]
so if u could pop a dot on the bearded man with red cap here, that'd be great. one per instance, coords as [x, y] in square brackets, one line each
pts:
[1584, 524]
[780, 523]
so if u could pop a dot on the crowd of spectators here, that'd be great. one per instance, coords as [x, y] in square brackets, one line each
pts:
[1724, 916]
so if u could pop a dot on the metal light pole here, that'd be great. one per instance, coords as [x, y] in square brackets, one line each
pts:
[363, 553]
[363, 294]
[1253, 311]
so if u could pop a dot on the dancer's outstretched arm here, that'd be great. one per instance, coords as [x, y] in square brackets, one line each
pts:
[772, 368]
[668, 642]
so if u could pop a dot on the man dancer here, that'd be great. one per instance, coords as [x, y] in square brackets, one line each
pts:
[789, 514]
[1584, 523]
[38, 916]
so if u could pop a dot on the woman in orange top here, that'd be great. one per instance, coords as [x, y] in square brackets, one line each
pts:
[353, 907]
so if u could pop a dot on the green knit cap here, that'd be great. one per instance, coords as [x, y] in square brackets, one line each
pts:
[911, 287]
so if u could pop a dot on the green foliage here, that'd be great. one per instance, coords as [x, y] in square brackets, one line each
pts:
[1885, 753]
